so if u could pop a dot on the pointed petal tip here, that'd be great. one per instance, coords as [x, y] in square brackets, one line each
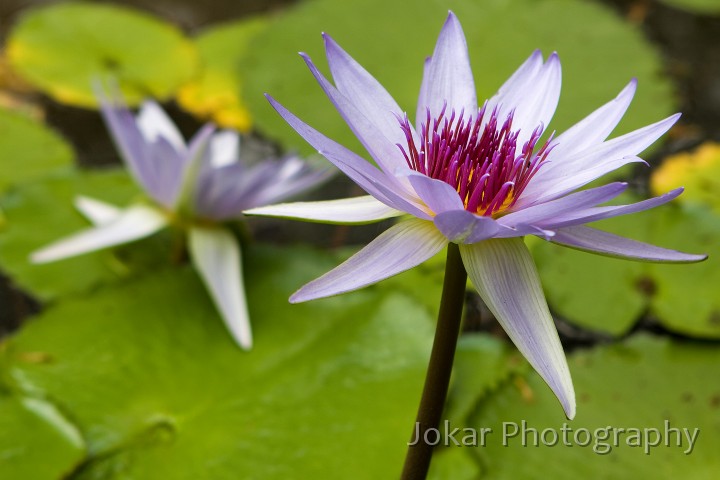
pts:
[37, 258]
[245, 343]
[452, 21]
[570, 409]
[297, 297]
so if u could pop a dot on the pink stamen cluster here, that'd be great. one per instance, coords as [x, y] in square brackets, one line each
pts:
[479, 161]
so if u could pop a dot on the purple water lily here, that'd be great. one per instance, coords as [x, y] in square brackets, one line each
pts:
[196, 186]
[478, 177]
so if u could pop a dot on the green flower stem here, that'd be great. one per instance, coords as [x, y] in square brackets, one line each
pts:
[417, 461]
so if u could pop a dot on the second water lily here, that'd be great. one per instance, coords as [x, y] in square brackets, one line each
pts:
[196, 186]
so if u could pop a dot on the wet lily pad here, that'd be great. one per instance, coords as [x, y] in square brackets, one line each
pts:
[698, 171]
[150, 376]
[28, 149]
[62, 48]
[33, 428]
[599, 56]
[644, 383]
[217, 94]
[41, 212]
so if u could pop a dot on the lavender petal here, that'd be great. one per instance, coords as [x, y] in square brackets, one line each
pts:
[598, 161]
[365, 92]
[461, 226]
[604, 243]
[358, 169]
[399, 248]
[134, 223]
[355, 210]
[448, 81]
[595, 214]
[573, 202]
[383, 150]
[503, 272]
[216, 255]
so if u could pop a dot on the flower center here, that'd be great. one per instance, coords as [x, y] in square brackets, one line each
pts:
[478, 158]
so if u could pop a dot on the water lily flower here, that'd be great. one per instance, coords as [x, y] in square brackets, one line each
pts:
[196, 186]
[479, 177]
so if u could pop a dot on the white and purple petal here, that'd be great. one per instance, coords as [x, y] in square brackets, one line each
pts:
[592, 163]
[594, 214]
[154, 124]
[134, 223]
[215, 252]
[98, 212]
[448, 80]
[354, 210]
[604, 243]
[503, 272]
[532, 93]
[383, 150]
[401, 247]
[578, 201]
[358, 169]
[593, 129]
[461, 226]
[365, 92]
[439, 196]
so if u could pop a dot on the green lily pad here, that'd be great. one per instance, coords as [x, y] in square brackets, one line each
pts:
[62, 48]
[687, 299]
[28, 149]
[600, 54]
[695, 6]
[155, 384]
[33, 429]
[482, 364]
[453, 464]
[217, 94]
[41, 212]
[645, 383]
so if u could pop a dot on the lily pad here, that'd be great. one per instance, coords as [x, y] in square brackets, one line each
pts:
[600, 54]
[698, 171]
[33, 429]
[152, 380]
[41, 212]
[453, 464]
[644, 383]
[63, 48]
[687, 299]
[217, 93]
[28, 149]
[482, 364]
